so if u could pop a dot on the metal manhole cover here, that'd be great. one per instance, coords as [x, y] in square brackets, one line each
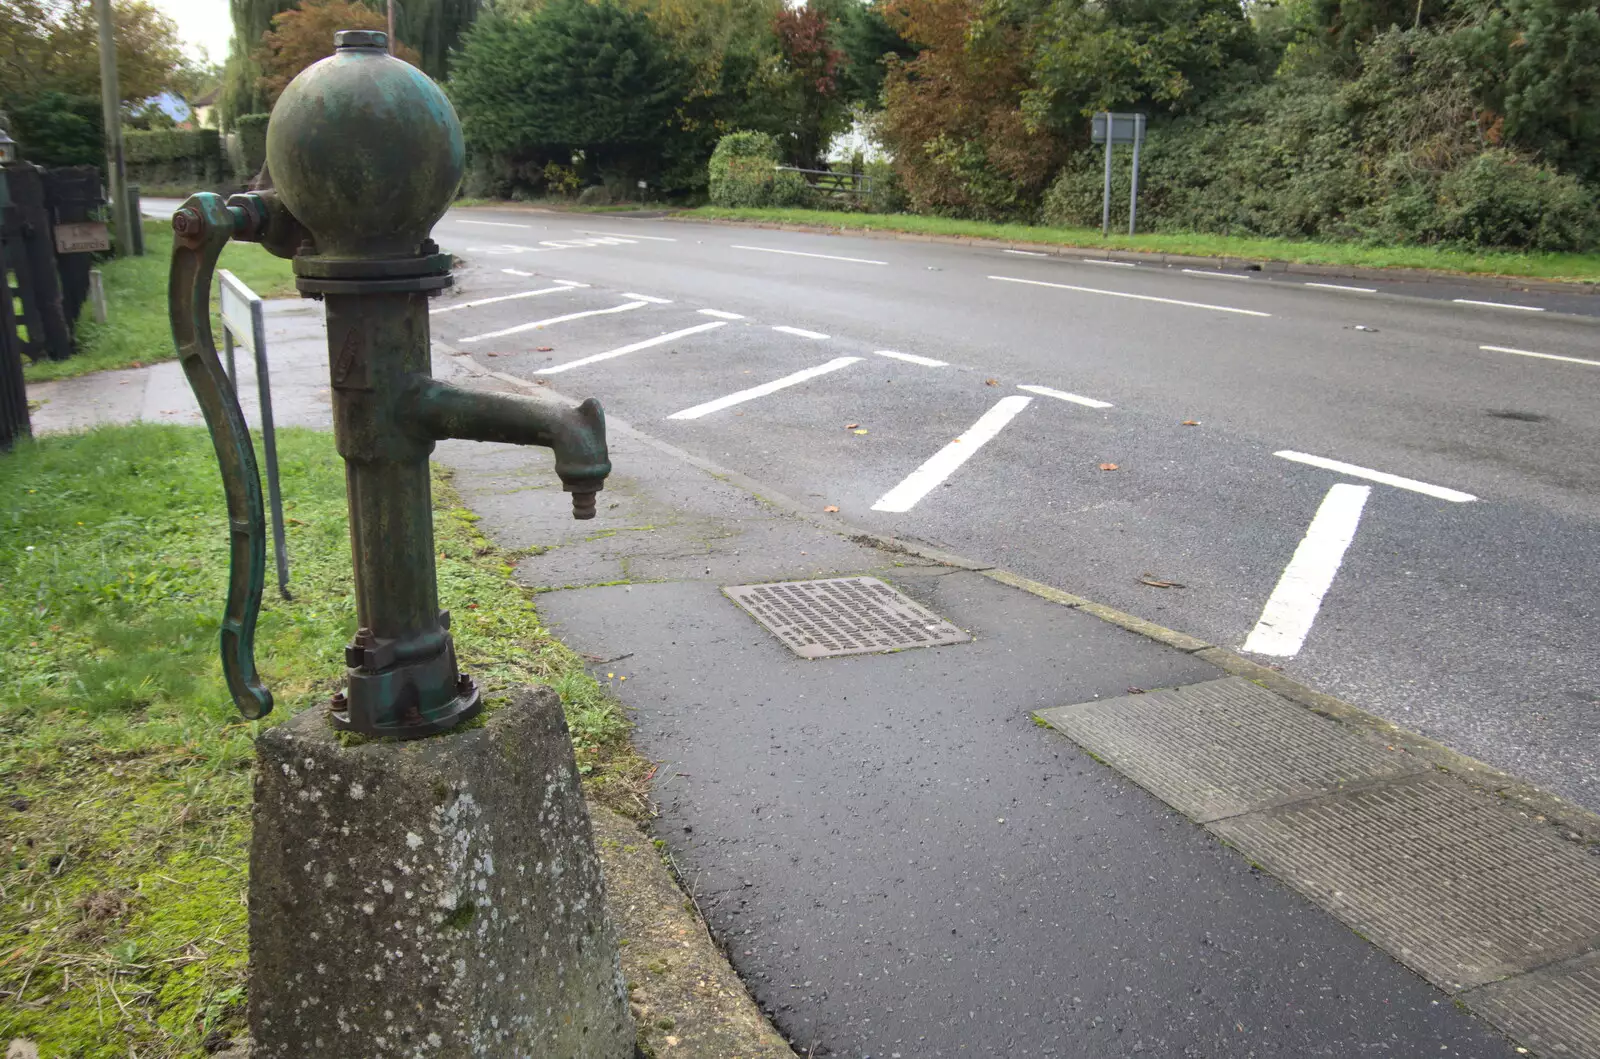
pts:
[843, 616]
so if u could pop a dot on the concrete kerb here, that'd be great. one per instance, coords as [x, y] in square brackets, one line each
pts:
[1413, 275]
[1574, 821]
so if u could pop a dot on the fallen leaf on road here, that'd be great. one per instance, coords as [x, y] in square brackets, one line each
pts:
[494, 354]
[831, 508]
[1191, 422]
[991, 382]
[1108, 466]
[858, 432]
[541, 382]
[851, 426]
[1156, 582]
[137, 364]
[1135, 691]
[546, 349]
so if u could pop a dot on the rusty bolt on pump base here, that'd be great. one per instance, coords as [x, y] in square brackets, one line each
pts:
[345, 124]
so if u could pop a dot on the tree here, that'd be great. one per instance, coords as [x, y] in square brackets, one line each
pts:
[864, 39]
[54, 46]
[953, 118]
[1163, 55]
[592, 83]
[304, 35]
[819, 107]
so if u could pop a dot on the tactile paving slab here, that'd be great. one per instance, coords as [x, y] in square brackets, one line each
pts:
[1554, 1010]
[843, 616]
[1225, 747]
[1453, 882]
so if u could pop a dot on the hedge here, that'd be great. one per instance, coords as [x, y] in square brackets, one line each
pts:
[252, 130]
[174, 157]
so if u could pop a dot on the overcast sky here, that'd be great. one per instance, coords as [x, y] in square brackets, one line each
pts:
[203, 25]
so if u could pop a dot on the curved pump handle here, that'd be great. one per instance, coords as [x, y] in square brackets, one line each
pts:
[202, 226]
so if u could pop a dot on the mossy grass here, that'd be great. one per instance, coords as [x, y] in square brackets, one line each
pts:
[125, 774]
[1546, 266]
[136, 330]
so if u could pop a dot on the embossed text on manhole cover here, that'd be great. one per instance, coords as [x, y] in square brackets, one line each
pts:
[843, 616]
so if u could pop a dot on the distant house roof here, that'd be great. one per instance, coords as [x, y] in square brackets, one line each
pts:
[207, 100]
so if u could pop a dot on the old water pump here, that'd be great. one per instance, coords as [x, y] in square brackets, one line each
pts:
[365, 154]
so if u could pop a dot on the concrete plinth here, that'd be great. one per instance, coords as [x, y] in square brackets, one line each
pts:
[438, 898]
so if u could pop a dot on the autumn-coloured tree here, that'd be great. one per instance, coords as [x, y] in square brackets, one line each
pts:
[819, 110]
[54, 46]
[952, 115]
[303, 35]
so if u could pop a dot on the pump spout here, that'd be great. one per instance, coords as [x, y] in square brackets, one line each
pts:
[576, 435]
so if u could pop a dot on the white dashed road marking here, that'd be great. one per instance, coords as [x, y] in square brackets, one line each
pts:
[764, 389]
[944, 463]
[516, 272]
[911, 358]
[1498, 305]
[647, 298]
[1027, 253]
[1541, 356]
[720, 314]
[633, 348]
[1062, 395]
[798, 253]
[555, 320]
[1125, 294]
[1099, 261]
[501, 298]
[629, 235]
[1292, 608]
[494, 224]
[802, 332]
[1455, 496]
[1218, 275]
[1341, 286]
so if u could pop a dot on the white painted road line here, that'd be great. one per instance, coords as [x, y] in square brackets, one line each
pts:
[1125, 294]
[764, 389]
[1027, 253]
[629, 235]
[802, 332]
[1498, 305]
[570, 283]
[501, 298]
[493, 224]
[797, 253]
[516, 272]
[1341, 286]
[565, 244]
[555, 320]
[1062, 395]
[1218, 275]
[1101, 261]
[1439, 492]
[1541, 356]
[1292, 608]
[942, 464]
[720, 314]
[634, 348]
[647, 298]
[911, 358]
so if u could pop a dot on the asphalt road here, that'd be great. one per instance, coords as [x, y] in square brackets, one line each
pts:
[1446, 583]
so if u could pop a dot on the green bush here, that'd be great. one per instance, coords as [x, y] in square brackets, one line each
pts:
[55, 129]
[888, 194]
[743, 171]
[252, 130]
[791, 189]
[1501, 199]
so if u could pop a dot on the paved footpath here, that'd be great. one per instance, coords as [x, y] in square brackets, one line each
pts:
[939, 851]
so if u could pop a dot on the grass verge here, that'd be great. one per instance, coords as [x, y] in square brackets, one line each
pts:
[125, 774]
[136, 330]
[1569, 267]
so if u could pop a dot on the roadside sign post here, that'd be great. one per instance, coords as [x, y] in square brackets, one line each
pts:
[1112, 128]
[244, 322]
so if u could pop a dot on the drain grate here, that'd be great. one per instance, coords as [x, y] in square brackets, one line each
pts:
[843, 616]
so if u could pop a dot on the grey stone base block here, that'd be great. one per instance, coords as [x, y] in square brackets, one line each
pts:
[438, 898]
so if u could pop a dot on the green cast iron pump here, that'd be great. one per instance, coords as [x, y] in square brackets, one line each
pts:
[365, 154]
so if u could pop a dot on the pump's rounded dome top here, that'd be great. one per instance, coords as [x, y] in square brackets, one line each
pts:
[365, 150]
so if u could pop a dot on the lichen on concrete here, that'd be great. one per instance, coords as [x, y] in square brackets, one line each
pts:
[440, 898]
